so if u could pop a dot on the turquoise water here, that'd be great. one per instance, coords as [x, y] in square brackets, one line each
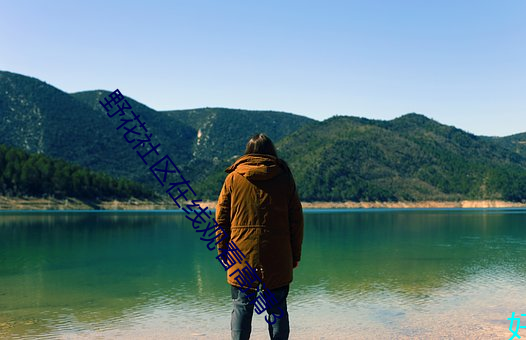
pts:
[364, 274]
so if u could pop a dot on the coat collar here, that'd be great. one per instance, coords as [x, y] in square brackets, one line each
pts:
[258, 167]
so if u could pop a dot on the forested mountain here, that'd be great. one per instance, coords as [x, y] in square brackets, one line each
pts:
[37, 117]
[515, 143]
[221, 136]
[175, 136]
[408, 158]
[205, 140]
[341, 158]
[223, 132]
[40, 118]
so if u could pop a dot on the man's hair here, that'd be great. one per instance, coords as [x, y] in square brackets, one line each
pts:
[261, 144]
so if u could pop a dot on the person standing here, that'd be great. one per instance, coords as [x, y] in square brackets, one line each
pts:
[260, 209]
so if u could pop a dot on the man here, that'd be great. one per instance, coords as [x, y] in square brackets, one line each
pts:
[259, 208]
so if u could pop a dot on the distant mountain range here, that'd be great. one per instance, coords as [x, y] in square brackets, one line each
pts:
[341, 158]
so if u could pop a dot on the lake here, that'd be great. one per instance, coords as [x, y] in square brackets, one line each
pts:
[364, 274]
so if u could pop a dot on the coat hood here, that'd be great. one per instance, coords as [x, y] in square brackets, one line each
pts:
[258, 167]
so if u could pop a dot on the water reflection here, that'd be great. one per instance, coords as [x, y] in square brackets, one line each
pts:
[411, 251]
[388, 271]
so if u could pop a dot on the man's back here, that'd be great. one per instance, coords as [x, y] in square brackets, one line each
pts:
[260, 206]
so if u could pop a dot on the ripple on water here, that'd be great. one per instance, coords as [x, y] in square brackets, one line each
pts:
[404, 281]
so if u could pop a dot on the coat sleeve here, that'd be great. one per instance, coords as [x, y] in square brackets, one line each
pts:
[223, 214]
[295, 223]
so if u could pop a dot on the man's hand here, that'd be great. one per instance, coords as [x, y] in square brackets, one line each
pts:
[295, 264]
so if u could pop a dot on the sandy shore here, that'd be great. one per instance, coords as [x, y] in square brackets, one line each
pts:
[29, 203]
[412, 205]
[32, 203]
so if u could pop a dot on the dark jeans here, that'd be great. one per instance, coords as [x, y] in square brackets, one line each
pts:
[241, 323]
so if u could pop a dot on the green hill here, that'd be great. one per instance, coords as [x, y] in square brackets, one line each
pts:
[342, 158]
[515, 143]
[175, 136]
[223, 133]
[409, 158]
[37, 117]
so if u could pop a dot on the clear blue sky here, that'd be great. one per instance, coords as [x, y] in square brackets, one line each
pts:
[460, 62]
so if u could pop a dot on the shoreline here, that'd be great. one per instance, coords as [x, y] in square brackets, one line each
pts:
[67, 204]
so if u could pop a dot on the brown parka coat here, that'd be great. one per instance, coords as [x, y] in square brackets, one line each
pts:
[259, 208]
